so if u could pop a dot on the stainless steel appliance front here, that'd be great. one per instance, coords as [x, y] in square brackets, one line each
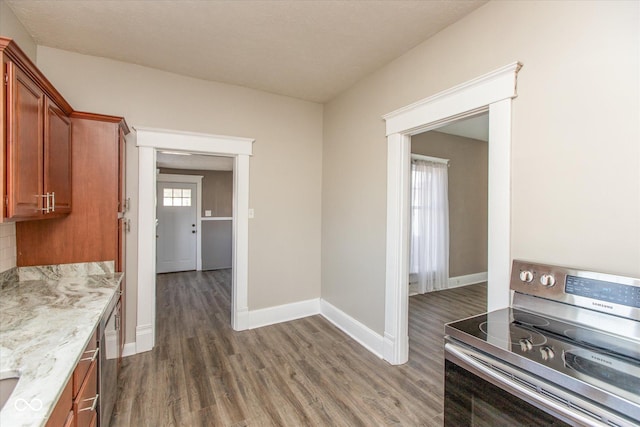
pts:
[548, 358]
[109, 359]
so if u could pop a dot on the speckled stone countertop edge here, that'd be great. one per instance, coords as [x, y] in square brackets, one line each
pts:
[44, 327]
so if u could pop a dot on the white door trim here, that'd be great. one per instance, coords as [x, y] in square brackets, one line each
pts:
[197, 180]
[491, 92]
[148, 142]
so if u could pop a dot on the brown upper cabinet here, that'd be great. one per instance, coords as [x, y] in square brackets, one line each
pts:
[36, 150]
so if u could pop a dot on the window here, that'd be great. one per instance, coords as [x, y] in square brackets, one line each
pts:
[429, 261]
[176, 197]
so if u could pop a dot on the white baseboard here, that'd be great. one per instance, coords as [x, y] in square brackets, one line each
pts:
[352, 327]
[144, 338]
[129, 349]
[469, 279]
[242, 319]
[283, 313]
[297, 310]
[413, 289]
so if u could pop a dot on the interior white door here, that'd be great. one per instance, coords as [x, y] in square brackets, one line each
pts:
[176, 227]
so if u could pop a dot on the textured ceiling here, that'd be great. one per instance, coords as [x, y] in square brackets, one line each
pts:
[311, 50]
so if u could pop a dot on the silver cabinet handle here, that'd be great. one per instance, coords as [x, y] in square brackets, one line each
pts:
[47, 202]
[53, 201]
[92, 357]
[93, 406]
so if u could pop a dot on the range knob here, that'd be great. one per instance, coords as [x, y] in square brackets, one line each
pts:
[547, 353]
[547, 280]
[526, 276]
[525, 344]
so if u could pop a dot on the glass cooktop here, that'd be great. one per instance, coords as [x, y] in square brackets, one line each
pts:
[552, 348]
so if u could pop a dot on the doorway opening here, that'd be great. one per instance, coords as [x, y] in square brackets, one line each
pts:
[150, 142]
[196, 232]
[492, 93]
[448, 239]
[449, 176]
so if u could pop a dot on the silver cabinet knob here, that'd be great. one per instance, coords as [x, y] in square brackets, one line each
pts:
[547, 280]
[526, 276]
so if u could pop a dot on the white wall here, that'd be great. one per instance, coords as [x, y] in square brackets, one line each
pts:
[12, 28]
[285, 170]
[575, 149]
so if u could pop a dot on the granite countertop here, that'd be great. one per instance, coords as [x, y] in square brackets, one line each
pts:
[46, 321]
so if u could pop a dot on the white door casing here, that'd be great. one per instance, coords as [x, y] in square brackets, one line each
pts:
[492, 92]
[176, 228]
[148, 142]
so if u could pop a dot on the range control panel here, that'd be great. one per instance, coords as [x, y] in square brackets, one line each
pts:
[597, 291]
[604, 291]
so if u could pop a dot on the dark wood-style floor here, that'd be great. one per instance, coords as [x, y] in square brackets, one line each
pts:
[304, 372]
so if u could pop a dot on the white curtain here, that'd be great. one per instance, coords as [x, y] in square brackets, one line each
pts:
[429, 225]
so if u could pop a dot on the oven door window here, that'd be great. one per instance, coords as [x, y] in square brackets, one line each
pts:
[472, 401]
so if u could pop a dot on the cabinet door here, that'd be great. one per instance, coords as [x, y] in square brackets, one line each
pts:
[57, 158]
[122, 206]
[24, 146]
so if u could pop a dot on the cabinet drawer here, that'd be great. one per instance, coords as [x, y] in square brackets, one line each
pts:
[86, 403]
[89, 355]
[61, 412]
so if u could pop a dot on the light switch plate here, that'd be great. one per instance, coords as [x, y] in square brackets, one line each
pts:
[251, 213]
[207, 213]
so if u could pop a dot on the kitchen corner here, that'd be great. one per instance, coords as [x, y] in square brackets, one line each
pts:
[48, 315]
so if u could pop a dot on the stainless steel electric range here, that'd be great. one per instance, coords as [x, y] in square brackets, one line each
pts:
[567, 352]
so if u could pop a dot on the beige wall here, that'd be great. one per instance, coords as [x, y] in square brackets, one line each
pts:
[12, 28]
[285, 169]
[467, 197]
[575, 151]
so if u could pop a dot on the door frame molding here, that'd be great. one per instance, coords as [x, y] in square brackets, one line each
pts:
[492, 92]
[149, 141]
[190, 179]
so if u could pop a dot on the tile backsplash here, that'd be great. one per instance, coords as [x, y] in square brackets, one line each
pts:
[7, 246]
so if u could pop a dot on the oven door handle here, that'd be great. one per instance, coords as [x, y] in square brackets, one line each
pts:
[541, 393]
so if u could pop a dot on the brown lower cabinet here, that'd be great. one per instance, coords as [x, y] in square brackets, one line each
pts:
[78, 403]
[62, 414]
